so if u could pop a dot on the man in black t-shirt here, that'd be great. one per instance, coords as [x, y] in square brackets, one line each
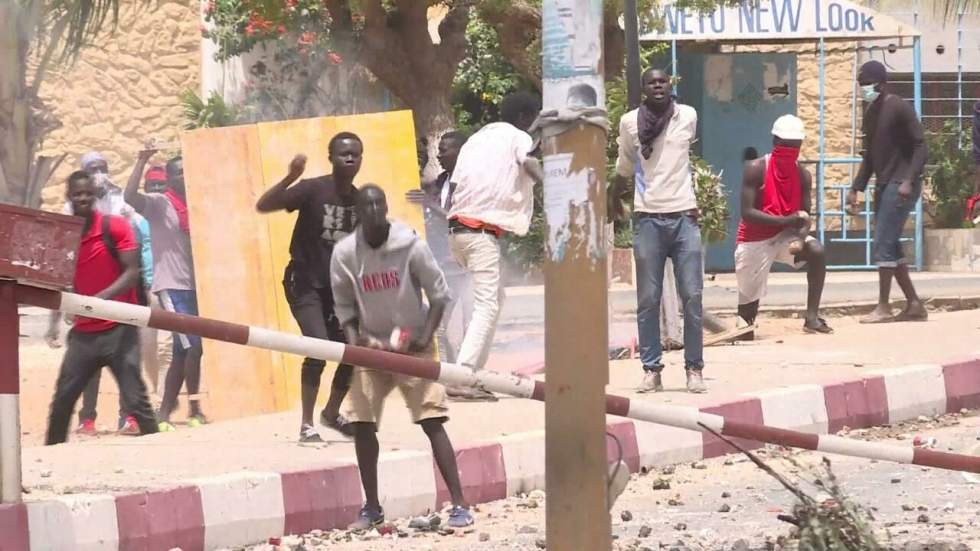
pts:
[326, 215]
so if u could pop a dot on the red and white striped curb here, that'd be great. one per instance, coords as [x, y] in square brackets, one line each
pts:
[457, 375]
[250, 507]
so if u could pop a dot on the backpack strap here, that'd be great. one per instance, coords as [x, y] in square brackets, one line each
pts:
[108, 240]
[110, 243]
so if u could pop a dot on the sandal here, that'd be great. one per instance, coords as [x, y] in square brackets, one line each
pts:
[820, 327]
[338, 423]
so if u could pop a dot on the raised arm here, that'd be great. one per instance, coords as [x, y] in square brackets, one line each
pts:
[275, 198]
[132, 194]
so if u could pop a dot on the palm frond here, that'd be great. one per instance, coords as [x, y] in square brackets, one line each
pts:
[82, 21]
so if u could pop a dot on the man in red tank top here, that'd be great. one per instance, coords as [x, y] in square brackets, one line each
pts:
[775, 225]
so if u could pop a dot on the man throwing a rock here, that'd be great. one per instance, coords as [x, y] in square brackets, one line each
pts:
[378, 276]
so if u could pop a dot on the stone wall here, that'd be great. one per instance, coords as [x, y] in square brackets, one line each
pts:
[124, 89]
[838, 111]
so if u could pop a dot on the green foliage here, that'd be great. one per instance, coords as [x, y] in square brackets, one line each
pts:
[483, 78]
[237, 26]
[212, 113]
[712, 203]
[950, 176]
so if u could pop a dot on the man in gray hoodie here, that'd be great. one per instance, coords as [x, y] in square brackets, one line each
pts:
[378, 275]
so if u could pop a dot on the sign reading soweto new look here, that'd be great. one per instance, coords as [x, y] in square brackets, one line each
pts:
[778, 19]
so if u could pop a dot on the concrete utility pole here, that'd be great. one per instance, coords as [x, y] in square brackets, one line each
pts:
[576, 324]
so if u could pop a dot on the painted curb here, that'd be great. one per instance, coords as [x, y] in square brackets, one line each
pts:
[240, 508]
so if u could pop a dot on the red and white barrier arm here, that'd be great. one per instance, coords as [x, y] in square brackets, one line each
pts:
[451, 374]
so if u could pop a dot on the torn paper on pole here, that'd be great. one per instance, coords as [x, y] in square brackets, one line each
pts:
[567, 206]
[571, 53]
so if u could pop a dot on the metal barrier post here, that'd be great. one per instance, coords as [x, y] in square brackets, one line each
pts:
[10, 473]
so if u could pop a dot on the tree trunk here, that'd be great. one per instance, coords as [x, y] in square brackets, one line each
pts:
[16, 140]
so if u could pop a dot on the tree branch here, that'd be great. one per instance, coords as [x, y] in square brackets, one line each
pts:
[518, 26]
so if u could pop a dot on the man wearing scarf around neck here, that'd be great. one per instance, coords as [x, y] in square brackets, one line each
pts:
[775, 224]
[654, 148]
[173, 279]
[895, 153]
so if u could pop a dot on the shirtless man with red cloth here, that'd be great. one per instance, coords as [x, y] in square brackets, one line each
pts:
[775, 225]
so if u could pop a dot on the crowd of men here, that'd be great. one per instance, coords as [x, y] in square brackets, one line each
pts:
[357, 276]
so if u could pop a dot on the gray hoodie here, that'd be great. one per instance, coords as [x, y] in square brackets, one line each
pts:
[382, 288]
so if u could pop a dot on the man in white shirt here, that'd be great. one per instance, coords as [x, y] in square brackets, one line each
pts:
[654, 148]
[492, 194]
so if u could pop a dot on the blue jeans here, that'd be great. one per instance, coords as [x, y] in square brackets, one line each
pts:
[891, 214]
[655, 239]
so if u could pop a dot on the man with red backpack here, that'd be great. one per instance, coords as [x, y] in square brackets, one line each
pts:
[108, 268]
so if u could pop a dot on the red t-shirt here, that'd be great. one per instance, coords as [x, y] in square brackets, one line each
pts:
[97, 269]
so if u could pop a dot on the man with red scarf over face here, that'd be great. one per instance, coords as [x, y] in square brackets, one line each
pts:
[173, 279]
[775, 224]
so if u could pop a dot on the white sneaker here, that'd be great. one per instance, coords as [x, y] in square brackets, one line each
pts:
[651, 383]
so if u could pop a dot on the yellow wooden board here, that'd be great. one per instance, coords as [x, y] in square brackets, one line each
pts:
[240, 255]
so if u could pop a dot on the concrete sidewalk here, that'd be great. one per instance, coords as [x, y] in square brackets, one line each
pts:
[787, 291]
[239, 482]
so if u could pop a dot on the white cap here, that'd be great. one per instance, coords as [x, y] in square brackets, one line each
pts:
[788, 127]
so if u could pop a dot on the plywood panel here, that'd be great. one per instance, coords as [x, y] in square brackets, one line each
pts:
[240, 255]
[223, 172]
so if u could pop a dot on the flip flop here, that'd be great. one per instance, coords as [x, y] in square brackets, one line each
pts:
[821, 329]
[869, 319]
[905, 316]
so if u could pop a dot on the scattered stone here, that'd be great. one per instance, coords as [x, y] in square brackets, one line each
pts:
[446, 532]
[644, 532]
[529, 504]
[540, 543]
[923, 519]
[668, 470]
[431, 522]
[537, 495]
[729, 462]
[725, 495]
[741, 545]
[119, 470]
[675, 502]
[484, 537]
[658, 484]
[680, 526]
[46, 474]
[527, 529]
[699, 466]
[907, 507]
[626, 516]
[725, 508]
[896, 480]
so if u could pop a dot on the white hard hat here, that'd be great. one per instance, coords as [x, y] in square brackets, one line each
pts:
[789, 127]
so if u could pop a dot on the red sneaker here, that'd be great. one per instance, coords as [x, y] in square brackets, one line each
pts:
[130, 427]
[86, 428]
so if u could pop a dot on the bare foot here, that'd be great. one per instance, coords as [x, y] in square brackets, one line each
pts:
[881, 314]
[915, 311]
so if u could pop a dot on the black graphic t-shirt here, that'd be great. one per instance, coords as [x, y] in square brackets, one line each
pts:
[325, 217]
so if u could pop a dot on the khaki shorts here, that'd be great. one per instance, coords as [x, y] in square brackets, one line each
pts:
[425, 399]
[754, 260]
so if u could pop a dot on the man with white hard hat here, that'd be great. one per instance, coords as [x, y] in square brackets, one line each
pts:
[775, 225]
